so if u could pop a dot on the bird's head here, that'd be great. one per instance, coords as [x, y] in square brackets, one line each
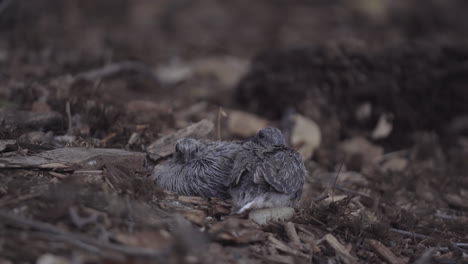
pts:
[186, 149]
[270, 136]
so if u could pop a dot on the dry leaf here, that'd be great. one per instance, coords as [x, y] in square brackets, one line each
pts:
[383, 128]
[305, 136]
[244, 124]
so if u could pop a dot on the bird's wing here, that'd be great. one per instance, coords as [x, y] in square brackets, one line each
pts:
[283, 170]
[242, 163]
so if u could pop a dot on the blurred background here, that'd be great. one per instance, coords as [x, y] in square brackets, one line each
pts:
[378, 86]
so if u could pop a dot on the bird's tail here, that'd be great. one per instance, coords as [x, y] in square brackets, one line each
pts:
[239, 208]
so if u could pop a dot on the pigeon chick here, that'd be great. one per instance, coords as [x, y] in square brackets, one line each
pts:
[198, 168]
[266, 173]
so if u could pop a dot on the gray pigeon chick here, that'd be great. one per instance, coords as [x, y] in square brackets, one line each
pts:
[266, 173]
[198, 168]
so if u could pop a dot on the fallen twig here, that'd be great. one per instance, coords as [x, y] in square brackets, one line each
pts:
[420, 236]
[450, 217]
[321, 198]
[115, 68]
[408, 233]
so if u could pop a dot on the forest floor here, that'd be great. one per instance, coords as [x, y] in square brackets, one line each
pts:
[371, 93]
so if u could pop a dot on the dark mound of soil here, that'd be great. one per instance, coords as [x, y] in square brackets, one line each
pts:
[421, 86]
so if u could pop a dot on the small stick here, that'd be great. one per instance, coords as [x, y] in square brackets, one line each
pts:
[218, 124]
[221, 113]
[69, 116]
[408, 233]
[336, 180]
[344, 189]
[321, 198]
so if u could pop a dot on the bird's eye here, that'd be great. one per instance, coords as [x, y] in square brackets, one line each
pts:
[261, 135]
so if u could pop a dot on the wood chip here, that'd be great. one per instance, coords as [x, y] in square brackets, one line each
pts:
[58, 175]
[291, 232]
[280, 259]
[239, 231]
[89, 176]
[163, 147]
[195, 216]
[220, 210]
[310, 241]
[384, 252]
[340, 250]
[285, 248]
[193, 200]
[4, 143]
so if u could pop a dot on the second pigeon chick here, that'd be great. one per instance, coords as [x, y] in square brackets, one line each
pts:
[266, 173]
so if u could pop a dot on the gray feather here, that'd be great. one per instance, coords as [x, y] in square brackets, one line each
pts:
[266, 173]
[198, 168]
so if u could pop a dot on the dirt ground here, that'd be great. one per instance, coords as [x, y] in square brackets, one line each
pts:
[372, 93]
